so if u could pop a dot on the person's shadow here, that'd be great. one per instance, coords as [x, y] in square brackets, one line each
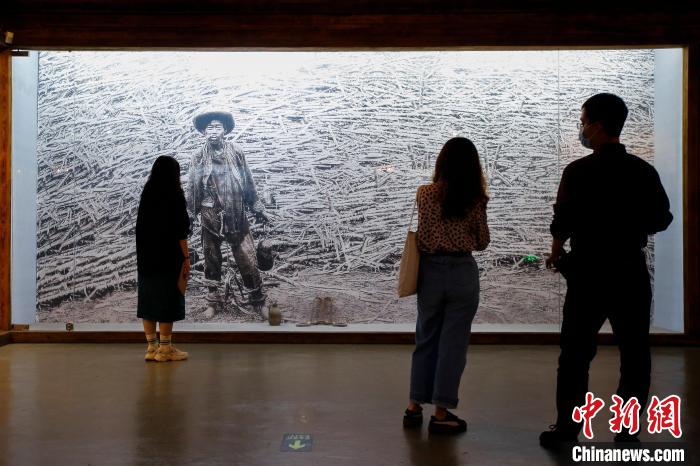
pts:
[425, 449]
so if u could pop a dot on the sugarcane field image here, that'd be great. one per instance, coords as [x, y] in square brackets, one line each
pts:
[325, 151]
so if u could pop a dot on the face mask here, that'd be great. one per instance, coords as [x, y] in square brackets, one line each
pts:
[586, 142]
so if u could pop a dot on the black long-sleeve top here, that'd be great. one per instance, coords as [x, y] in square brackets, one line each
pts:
[610, 201]
[161, 223]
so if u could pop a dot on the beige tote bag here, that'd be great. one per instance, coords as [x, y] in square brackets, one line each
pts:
[408, 269]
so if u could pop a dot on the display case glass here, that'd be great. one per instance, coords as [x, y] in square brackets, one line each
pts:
[336, 144]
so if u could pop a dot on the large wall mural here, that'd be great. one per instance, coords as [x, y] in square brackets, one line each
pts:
[336, 144]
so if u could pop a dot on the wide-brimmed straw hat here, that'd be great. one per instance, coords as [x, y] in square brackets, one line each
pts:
[204, 118]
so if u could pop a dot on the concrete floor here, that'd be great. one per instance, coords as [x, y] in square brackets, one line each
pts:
[231, 404]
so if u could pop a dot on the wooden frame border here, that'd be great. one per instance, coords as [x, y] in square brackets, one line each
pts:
[381, 338]
[328, 24]
[361, 25]
[5, 188]
[691, 191]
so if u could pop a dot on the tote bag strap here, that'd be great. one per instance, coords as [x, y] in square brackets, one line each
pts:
[413, 213]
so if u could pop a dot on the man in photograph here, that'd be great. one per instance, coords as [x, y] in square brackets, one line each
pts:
[220, 190]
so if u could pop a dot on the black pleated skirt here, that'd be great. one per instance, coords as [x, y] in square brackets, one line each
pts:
[159, 299]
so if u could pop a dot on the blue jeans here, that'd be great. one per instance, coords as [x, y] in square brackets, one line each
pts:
[448, 296]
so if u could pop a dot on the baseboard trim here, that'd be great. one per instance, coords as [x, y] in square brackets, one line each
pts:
[298, 337]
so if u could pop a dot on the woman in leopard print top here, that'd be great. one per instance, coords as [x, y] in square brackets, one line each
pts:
[451, 224]
[456, 234]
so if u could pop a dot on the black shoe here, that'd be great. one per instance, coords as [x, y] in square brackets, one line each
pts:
[626, 437]
[555, 438]
[412, 419]
[450, 425]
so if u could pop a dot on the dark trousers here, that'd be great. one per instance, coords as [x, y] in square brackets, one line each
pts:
[622, 294]
[241, 245]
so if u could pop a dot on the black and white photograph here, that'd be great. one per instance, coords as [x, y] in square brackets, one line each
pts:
[300, 171]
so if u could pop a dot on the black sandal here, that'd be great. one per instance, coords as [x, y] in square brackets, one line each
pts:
[450, 425]
[412, 419]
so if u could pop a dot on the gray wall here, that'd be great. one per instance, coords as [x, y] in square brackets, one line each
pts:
[24, 174]
[668, 283]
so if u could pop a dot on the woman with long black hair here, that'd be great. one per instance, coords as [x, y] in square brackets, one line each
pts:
[451, 224]
[162, 228]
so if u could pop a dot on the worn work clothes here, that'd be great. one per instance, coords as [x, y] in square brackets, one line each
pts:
[435, 233]
[217, 178]
[608, 203]
[233, 189]
[241, 245]
[448, 297]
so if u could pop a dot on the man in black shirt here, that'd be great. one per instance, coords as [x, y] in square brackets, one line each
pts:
[607, 204]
